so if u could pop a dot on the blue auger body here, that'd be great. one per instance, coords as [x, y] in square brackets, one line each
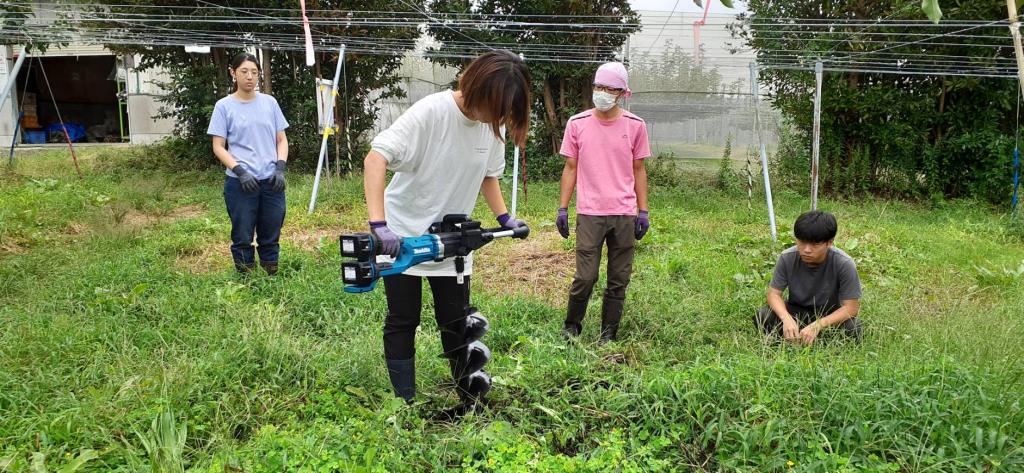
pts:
[455, 237]
[363, 276]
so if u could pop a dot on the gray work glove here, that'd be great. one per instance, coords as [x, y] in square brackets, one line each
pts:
[277, 180]
[249, 183]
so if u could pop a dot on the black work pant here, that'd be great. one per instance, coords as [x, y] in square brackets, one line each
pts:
[405, 302]
[769, 323]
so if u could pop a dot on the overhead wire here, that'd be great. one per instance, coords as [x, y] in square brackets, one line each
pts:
[663, 25]
[141, 32]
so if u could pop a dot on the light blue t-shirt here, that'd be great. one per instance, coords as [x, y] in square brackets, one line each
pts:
[250, 129]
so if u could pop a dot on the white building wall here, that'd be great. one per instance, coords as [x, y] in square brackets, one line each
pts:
[8, 113]
[143, 95]
[144, 105]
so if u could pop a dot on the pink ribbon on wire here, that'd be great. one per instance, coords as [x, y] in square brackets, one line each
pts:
[310, 59]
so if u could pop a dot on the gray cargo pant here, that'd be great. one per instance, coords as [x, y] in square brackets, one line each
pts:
[592, 232]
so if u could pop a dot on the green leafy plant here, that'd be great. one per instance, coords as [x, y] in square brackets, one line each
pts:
[165, 443]
[727, 179]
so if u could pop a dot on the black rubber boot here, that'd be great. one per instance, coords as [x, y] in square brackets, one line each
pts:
[270, 268]
[611, 314]
[574, 314]
[403, 378]
[245, 268]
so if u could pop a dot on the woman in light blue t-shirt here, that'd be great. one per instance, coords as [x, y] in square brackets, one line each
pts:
[249, 140]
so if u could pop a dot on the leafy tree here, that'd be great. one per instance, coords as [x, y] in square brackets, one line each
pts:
[562, 83]
[13, 17]
[198, 80]
[891, 133]
[673, 70]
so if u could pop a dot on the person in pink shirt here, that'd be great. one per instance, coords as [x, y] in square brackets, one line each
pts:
[604, 150]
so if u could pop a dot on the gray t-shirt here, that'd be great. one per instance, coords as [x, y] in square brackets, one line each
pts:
[250, 130]
[823, 286]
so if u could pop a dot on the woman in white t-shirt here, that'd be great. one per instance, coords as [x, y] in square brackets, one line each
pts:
[444, 150]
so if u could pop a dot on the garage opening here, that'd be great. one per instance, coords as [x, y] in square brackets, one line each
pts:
[88, 91]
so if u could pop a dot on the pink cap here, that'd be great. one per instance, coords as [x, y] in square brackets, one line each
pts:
[614, 75]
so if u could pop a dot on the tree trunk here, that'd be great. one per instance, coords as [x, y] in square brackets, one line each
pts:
[562, 99]
[265, 59]
[851, 144]
[220, 63]
[584, 90]
[942, 108]
[552, 118]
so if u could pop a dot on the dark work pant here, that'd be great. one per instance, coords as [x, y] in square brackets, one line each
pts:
[592, 232]
[404, 295]
[260, 214]
[769, 323]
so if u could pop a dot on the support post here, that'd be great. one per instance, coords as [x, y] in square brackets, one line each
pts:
[1011, 9]
[329, 129]
[816, 146]
[12, 76]
[515, 171]
[764, 152]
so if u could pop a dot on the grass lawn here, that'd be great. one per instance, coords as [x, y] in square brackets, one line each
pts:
[128, 343]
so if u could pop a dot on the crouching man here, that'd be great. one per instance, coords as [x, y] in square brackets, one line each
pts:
[824, 288]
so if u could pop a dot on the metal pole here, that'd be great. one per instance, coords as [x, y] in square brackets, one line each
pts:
[328, 129]
[1011, 8]
[12, 76]
[515, 170]
[764, 152]
[816, 147]
[17, 128]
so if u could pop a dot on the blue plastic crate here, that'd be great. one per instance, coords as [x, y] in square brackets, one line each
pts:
[35, 137]
[76, 131]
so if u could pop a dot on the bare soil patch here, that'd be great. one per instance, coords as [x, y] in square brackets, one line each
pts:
[537, 266]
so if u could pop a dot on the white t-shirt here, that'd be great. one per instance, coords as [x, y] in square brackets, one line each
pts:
[440, 159]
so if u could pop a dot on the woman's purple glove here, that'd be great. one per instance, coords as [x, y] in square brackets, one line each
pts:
[562, 222]
[389, 242]
[643, 223]
[508, 222]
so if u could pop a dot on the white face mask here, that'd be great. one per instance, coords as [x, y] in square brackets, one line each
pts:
[603, 101]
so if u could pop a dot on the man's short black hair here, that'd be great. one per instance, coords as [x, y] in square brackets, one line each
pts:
[815, 226]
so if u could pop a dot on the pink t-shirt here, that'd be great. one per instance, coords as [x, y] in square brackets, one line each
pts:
[605, 151]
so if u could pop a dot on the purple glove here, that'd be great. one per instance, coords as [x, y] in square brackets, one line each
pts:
[643, 223]
[389, 242]
[562, 222]
[508, 222]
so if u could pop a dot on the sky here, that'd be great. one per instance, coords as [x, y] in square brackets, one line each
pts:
[661, 27]
[684, 6]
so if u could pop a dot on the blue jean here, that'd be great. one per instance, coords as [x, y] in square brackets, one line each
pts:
[260, 213]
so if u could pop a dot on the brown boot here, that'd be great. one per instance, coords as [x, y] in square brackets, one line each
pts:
[611, 314]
